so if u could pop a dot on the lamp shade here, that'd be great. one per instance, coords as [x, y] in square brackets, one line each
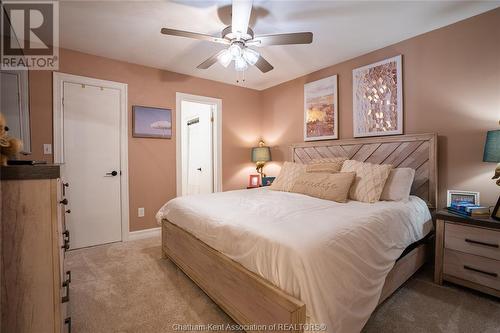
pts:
[261, 154]
[492, 147]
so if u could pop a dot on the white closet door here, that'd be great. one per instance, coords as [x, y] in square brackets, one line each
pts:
[92, 164]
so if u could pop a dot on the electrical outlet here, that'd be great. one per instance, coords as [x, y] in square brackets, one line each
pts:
[47, 149]
[140, 212]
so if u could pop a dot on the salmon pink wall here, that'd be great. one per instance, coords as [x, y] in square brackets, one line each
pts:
[152, 161]
[451, 79]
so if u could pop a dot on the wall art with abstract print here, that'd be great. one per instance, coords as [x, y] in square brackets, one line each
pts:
[321, 109]
[378, 98]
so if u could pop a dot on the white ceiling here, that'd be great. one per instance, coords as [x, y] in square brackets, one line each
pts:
[130, 31]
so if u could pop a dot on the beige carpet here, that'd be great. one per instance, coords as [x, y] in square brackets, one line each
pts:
[127, 287]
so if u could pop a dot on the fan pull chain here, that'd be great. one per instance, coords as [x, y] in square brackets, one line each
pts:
[241, 77]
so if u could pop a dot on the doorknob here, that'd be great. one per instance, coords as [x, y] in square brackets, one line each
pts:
[111, 174]
[199, 169]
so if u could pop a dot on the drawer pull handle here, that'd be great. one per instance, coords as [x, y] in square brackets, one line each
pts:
[480, 271]
[481, 243]
[65, 284]
[67, 321]
[64, 201]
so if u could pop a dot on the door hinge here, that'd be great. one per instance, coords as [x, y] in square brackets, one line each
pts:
[212, 119]
[63, 101]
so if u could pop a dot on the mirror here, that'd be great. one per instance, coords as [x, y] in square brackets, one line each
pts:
[14, 103]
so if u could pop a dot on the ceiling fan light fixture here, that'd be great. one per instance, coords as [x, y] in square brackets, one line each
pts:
[240, 64]
[225, 58]
[251, 56]
[235, 51]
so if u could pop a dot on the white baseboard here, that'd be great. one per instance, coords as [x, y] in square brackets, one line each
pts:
[146, 233]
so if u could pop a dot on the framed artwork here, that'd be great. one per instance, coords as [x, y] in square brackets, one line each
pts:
[266, 181]
[462, 196]
[321, 114]
[377, 96]
[253, 181]
[496, 211]
[150, 122]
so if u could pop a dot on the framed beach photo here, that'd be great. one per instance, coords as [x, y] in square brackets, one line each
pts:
[151, 122]
[321, 114]
[377, 96]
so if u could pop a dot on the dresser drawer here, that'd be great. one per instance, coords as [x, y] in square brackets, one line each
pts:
[479, 241]
[472, 268]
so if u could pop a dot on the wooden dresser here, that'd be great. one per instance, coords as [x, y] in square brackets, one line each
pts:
[468, 252]
[35, 285]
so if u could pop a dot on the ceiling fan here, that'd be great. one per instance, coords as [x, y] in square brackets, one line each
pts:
[239, 37]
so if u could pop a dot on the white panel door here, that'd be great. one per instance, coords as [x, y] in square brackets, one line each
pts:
[92, 164]
[10, 102]
[199, 161]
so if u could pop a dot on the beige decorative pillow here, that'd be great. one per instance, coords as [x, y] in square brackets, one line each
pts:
[370, 180]
[326, 165]
[398, 185]
[328, 186]
[287, 177]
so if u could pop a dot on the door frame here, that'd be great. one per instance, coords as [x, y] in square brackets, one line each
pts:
[58, 124]
[216, 138]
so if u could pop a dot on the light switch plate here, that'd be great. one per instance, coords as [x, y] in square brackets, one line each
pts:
[47, 149]
[140, 212]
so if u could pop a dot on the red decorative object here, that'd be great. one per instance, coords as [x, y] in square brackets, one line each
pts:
[253, 181]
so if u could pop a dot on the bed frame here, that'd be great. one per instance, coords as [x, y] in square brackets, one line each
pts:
[250, 299]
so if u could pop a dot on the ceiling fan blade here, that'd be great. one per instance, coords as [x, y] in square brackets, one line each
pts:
[210, 61]
[284, 39]
[241, 16]
[263, 65]
[194, 35]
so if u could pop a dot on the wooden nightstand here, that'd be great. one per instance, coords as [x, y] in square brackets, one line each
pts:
[468, 252]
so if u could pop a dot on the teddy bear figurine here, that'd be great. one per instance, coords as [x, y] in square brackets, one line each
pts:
[9, 147]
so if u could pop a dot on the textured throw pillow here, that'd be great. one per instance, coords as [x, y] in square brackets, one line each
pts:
[326, 165]
[328, 186]
[288, 174]
[370, 180]
[398, 185]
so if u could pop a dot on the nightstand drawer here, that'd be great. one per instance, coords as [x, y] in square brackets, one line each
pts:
[479, 241]
[472, 268]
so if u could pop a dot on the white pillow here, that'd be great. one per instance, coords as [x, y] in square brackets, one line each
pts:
[398, 185]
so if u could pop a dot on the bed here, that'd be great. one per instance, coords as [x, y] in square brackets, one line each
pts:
[254, 254]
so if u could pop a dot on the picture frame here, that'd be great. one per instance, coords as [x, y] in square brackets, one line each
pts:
[151, 122]
[496, 211]
[267, 181]
[321, 114]
[462, 196]
[377, 94]
[253, 181]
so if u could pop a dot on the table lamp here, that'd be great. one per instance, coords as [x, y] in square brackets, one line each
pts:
[492, 154]
[261, 155]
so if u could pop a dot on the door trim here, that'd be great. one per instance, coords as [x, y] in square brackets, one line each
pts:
[217, 138]
[58, 124]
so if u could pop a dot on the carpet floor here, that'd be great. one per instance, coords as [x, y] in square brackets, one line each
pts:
[128, 287]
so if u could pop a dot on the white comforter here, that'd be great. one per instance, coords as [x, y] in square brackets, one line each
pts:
[332, 256]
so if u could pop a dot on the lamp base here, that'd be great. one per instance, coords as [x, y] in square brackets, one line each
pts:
[259, 167]
[496, 211]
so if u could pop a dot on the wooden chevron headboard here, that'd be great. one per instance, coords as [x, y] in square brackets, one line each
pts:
[417, 151]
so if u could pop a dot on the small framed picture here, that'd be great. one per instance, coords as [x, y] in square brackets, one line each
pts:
[266, 181]
[496, 211]
[462, 196]
[150, 122]
[253, 181]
